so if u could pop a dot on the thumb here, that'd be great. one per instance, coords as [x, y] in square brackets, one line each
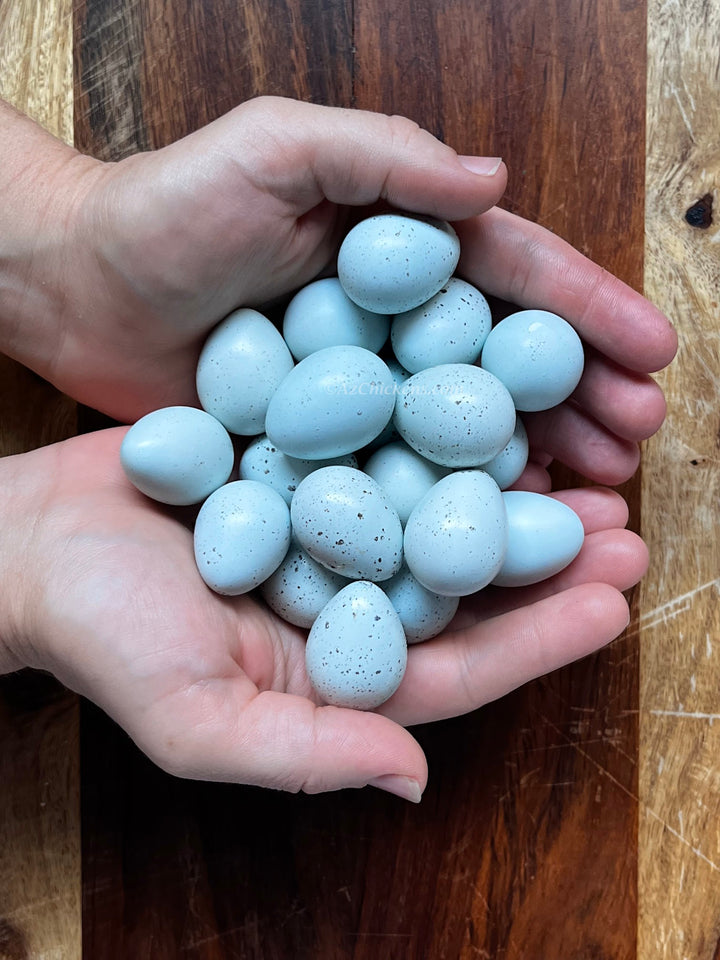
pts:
[302, 152]
[286, 742]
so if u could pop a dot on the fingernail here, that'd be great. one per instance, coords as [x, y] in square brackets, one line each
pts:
[404, 787]
[482, 166]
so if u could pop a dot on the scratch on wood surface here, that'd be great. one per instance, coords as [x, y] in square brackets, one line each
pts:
[664, 612]
[606, 773]
[687, 714]
[218, 936]
[686, 120]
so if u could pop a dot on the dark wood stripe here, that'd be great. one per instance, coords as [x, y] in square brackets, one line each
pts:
[525, 844]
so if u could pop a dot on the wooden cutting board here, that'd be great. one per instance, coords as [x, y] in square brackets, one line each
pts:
[577, 818]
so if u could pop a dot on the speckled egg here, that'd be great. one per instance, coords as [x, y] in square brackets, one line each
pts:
[345, 521]
[423, 614]
[300, 587]
[262, 461]
[356, 651]
[322, 315]
[390, 263]
[242, 534]
[456, 537]
[241, 364]
[455, 414]
[537, 355]
[404, 475]
[508, 465]
[451, 327]
[332, 403]
[544, 536]
[177, 455]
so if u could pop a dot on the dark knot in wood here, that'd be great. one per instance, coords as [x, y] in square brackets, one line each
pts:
[700, 213]
[12, 943]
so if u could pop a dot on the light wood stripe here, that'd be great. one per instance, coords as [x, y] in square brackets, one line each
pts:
[679, 774]
[40, 899]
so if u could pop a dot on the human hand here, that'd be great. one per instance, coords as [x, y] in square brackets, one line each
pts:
[159, 247]
[105, 594]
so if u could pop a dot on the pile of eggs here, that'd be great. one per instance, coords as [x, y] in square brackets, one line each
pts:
[373, 494]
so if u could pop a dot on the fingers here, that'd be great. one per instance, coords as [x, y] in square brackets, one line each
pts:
[281, 741]
[302, 153]
[568, 434]
[615, 557]
[629, 404]
[609, 554]
[522, 262]
[534, 478]
[462, 671]
[598, 507]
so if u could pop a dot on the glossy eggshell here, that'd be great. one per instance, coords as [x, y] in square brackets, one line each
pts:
[508, 465]
[455, 414]
[404, 475]
[537, 355]
[322, 315]
[242, 534]
[390, 263]
[451, 327]
[423, 614]
[241, 364]
[544, 536]
[332, 403]
[356, 652]
[456, 537]
[262, 461]
[300, 587]
[345, 521]
[177, 455]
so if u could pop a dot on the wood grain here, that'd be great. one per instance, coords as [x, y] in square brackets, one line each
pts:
[560, 94]
[525, 842]
[148, 72]
[39, 764]
[679, 863]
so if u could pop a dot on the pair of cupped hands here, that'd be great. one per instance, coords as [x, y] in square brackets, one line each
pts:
[121, 272]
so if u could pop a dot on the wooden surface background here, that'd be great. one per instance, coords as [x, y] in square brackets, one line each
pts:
[577, 818]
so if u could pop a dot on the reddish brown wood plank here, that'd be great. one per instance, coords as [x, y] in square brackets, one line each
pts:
[525, 842]
[148, 72]
[558, 90]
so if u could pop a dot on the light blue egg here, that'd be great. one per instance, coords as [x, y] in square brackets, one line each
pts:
[356, 652]
[177, 455]
[322, 315]
[262, 461]
[300, 587]
[537, 355]
[345, 521]
[456, 537]
[404, 475]
[455, 414]
[423, 614]
[332, 403]
[393, 262]
[242, 534]
[451, 327]
[241, 364]
[544, 536]
[508, 465]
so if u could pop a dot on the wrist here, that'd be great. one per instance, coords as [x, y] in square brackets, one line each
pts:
[42, 184]
[26, 480]
[12, 581]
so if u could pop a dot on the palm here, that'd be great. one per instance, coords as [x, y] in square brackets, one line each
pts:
[216, 687]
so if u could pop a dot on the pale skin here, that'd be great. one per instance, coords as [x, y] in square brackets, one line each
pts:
[110, 277]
